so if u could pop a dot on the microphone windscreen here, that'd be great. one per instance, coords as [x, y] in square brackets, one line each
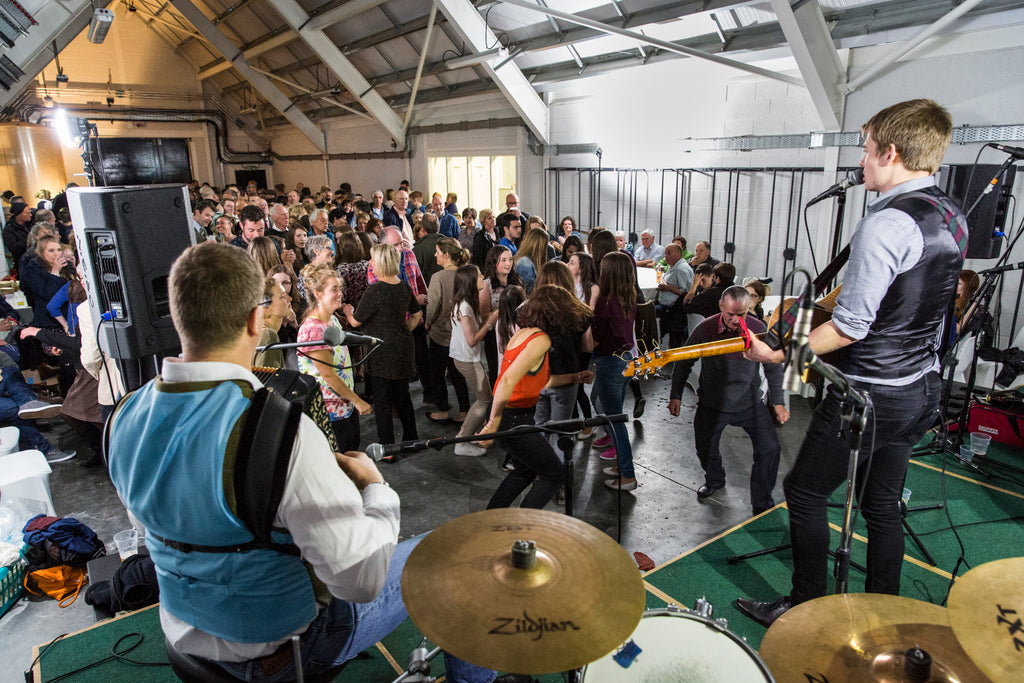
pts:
[332, 337]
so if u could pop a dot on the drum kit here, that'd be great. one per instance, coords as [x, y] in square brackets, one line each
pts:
[536, 592]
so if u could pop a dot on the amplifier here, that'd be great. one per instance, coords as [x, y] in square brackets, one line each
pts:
[1004, 426]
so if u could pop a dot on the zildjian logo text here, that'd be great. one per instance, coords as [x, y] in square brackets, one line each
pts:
[513, 626]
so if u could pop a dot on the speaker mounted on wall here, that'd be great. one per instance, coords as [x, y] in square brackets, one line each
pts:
[128, 237]
[988, 219]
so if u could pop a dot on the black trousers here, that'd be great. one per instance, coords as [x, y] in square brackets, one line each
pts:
[708, 425]
[441, 365]
[901, 417]
[535, 463]
[392, 395]
[346, 431]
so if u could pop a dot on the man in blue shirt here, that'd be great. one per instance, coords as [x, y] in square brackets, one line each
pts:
[905, 259]
[511, 230]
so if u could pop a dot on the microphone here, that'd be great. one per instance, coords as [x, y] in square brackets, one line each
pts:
[353, 339]
[332, 337]
[851, 179]
[798, 343]
[1015, 152]
[1003, 269]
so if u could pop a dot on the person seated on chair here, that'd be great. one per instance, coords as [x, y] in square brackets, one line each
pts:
[332, 574]
[20, 407]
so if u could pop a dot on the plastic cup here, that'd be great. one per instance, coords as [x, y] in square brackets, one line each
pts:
[967, 453]
[906, 496]
[127, 543]
[979, 442]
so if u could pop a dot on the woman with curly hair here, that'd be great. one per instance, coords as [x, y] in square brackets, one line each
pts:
[525, 371]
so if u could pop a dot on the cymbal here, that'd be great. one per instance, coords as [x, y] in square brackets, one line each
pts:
[471, 594]
[986, 606]
[863, 637]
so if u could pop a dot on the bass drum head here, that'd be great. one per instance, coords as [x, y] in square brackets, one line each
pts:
[682, 646]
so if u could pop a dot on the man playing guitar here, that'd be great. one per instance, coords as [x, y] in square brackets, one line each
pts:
[904, 260]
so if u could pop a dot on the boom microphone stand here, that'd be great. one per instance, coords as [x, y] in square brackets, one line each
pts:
[394, 452]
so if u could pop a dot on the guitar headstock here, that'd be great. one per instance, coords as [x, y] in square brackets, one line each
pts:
[744, 332]
[647, 365]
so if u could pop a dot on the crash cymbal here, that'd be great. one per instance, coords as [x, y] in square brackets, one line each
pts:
[864, 637]
[471, 594]
[986, 607]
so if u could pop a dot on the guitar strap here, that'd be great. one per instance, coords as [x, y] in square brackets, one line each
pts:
[786, 320]
[905, 203]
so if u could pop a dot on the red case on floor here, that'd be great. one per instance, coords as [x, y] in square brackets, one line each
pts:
[1002, 425]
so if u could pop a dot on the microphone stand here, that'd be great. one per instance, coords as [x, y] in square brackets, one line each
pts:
[837, 230]
[565, 442]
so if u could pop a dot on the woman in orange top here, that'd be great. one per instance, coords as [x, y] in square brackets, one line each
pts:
[524, 372]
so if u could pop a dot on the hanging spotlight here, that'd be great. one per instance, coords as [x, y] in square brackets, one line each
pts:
[99, 25]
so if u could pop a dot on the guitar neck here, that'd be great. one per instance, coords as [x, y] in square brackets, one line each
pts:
[714, 348]
[654, 361]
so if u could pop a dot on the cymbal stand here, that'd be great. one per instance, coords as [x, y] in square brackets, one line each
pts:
[418, 670]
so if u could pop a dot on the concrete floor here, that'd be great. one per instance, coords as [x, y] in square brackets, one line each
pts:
[662, 518]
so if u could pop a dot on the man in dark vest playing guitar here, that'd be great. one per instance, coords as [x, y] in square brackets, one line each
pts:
[905, 257]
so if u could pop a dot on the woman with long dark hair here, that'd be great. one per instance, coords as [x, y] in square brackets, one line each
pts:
[614, 316]
[499, 273]
[466, 350]
[525, 371]
[568, 372]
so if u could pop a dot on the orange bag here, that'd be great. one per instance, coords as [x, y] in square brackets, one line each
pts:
[59, 582]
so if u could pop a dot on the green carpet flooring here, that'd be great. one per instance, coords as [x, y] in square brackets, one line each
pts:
[988, 514]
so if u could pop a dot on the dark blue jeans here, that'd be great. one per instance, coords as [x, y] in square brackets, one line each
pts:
[708, 425]
[14, 393]
[344, 629]
[900, 417]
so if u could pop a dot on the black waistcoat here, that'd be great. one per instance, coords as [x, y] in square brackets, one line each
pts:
[903, 339]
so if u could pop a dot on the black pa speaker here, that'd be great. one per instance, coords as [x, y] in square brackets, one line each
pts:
[128, 237]
[990, 215]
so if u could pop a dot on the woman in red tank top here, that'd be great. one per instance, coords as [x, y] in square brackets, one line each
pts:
[524, 372]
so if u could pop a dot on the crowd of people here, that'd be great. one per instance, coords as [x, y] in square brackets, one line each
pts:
[520, 320]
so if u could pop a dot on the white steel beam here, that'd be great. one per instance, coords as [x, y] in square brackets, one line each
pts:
[347, 73]
[56, 22]
[648, 40]
[815, 53]
[472, 28]
[342, 12]
[267, 45]
[262, 84]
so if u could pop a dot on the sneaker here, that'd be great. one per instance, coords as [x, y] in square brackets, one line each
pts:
[470, 450]
[610, 471]
[638, 408]
[618, 484]
[586, 433]
[610, 454]
[508, 466]
[603, 442]
[37, 410]
[57, 455]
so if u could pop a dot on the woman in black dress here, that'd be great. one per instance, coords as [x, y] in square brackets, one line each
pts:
[389, 310]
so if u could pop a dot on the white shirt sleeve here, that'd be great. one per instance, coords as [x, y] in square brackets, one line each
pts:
[347, 536]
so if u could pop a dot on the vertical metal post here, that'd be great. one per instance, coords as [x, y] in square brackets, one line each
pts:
[711, 218]
[771, 222]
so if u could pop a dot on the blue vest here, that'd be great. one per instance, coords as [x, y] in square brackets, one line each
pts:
[172, 450]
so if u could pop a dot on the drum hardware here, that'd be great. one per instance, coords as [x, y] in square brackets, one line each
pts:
[418, 670]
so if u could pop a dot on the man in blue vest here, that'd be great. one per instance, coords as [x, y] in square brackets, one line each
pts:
[172, 451]
[905, 258]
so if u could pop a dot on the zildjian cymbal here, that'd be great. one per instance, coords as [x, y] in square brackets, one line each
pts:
[866, 637]
[566, 595]
[986, 609]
